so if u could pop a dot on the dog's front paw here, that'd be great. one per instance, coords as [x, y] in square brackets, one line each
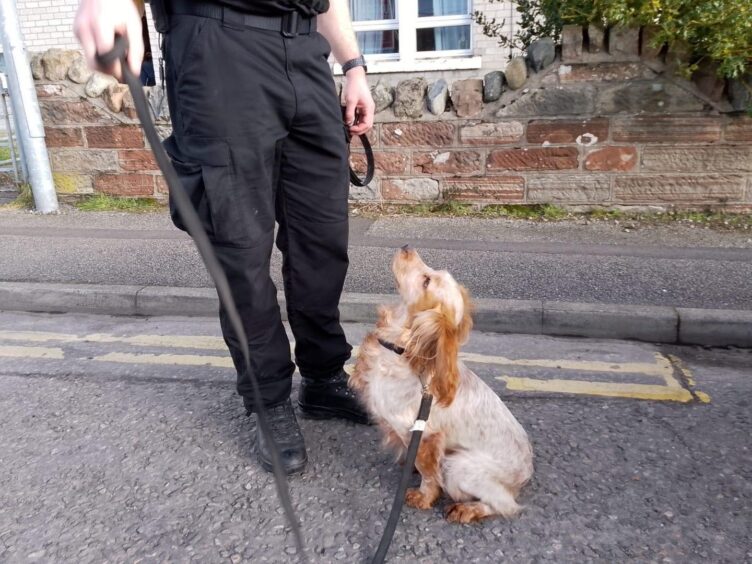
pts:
[467, 512]
[417, 499]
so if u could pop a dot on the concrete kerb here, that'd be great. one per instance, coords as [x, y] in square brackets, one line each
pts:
[656, 324]
[715, 327]
[64, 298]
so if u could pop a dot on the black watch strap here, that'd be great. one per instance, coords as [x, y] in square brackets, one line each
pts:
[352, 63]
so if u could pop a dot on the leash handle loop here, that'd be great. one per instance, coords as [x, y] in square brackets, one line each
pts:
[370, 165]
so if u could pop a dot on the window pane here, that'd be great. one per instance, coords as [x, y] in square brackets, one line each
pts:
[367, 10]
[371, 42]
[428, 8]
[444, 38]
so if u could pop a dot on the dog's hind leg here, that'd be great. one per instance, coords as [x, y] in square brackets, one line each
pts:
[428, 462]
[468, 512]
[473, 482]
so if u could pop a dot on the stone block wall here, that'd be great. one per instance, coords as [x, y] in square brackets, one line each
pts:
[598, 129]
[93, 149]
[596, 161]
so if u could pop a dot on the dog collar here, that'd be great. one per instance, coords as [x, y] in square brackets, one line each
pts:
[392, 347]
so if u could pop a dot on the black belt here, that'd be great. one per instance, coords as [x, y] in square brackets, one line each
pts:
[289, 24]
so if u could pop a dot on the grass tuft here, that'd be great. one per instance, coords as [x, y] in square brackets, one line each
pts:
[451, 208]
[4, 153]
[24, 200]
[551, 213]
[103, 202]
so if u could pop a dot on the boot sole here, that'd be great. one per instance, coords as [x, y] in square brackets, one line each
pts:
[297, 469]
[320, 412]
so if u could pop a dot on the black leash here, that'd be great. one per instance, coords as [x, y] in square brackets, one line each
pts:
[354, 179]
[407, 472]
[195, 229]
[370, 166]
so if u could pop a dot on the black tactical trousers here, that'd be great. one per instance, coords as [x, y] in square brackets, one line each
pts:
[258, 138]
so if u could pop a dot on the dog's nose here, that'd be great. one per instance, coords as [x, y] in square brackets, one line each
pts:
[406, 248]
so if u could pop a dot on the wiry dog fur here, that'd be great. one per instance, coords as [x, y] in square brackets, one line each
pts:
[473, 448]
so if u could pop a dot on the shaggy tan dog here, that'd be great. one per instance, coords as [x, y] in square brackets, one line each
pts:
[472, 448]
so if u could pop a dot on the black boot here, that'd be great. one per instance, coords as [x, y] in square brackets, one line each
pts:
[325, 398]
[286, 433]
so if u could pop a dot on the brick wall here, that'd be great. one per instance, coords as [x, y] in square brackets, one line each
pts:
[94, 150]
[487, 47]
[47, 23]
[604, 161]
[587, 133]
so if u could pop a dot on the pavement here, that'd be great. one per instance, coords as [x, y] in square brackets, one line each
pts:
[7, 193]
[670, 284]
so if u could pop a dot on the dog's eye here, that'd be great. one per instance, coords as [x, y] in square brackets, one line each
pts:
[426, 281]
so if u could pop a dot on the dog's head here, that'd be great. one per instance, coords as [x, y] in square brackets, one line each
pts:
[438, 322]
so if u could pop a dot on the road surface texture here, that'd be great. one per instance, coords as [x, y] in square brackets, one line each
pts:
[122, 441]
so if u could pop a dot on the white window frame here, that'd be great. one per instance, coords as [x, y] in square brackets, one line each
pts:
[409, 59]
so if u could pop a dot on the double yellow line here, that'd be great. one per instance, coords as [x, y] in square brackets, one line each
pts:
[667, 371]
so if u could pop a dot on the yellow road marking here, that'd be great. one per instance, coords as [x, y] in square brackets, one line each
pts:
[170, 359]
[689, 377]
[31, 352]
[604, 389]
[702, 396]
[36, 336]
[661, 368]
[177, 341]
[683, 369]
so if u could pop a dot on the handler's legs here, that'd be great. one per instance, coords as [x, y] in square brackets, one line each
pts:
[246, 106]
[231, 105]
[312, 214]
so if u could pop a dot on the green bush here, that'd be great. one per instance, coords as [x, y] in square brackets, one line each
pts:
[715, 30]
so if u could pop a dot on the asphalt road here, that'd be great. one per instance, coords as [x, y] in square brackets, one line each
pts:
[123, 441]
[674, 266]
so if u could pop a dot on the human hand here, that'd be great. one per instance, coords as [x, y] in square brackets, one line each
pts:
[359, 105]
[95, 26]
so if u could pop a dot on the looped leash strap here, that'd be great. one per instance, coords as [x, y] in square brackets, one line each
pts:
[195, 229]
[354, 178]
[370, 166]
[407, 471]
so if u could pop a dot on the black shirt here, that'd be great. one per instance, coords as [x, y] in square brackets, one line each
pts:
[275, 7]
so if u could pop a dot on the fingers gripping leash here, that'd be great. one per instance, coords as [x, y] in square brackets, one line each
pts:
[194, 227]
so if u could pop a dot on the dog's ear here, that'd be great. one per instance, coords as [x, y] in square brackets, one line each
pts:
[466, 324]
[432, 350]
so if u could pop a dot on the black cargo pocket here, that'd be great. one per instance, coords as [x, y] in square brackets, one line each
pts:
[240, 204]
[197, 169]
[192, 183]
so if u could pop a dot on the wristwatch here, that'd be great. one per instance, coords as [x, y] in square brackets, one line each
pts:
[352, 63]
